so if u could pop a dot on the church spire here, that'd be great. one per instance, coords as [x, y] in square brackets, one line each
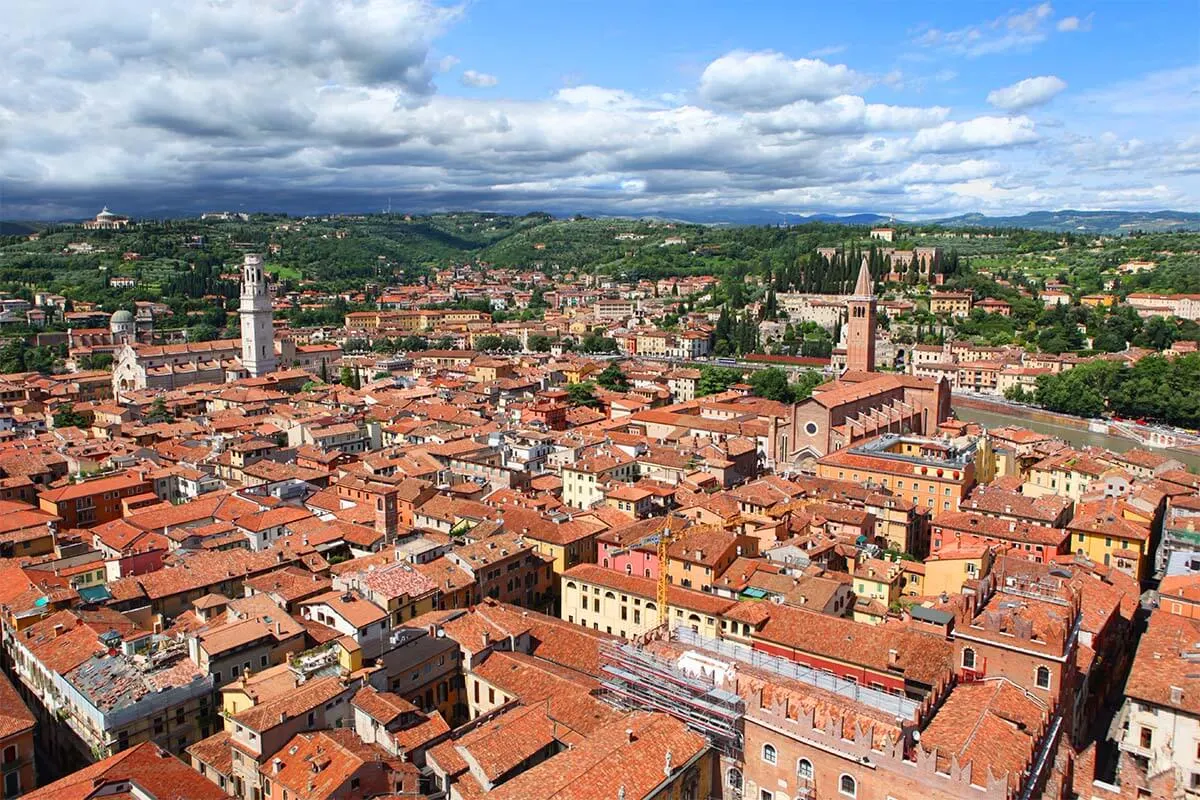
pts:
[865, 286]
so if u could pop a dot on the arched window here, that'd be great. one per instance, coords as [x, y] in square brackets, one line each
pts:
[629, 569]
[769, 754]
[733, 778]
[968, 658]
[804, 769]
[1042, 677]
[609, 596]
[847, 786]
[570, 584]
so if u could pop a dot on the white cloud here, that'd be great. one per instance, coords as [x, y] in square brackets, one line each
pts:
[936, 172]
[846, 114]
[479, 80]
[594, 96]
[975, 134]
[296, 106]
[763, 80]
[1014, 31]
[1073, 24]
[1027, 93]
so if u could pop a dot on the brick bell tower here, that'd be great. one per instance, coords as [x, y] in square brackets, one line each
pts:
[860, 330]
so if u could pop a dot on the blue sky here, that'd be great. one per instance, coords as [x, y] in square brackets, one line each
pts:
[695, 109]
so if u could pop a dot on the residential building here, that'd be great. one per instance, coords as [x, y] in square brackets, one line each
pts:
[1161, 729]
[93, 502]
[626, 605]
[16, 742]
[932, 473]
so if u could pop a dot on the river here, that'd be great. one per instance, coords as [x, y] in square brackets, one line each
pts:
[1075, 436]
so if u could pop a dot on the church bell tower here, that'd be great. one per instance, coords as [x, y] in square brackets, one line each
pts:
[258, 331]
[860, 329]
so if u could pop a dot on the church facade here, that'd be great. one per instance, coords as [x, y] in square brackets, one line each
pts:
[862, 403]
[171, 366]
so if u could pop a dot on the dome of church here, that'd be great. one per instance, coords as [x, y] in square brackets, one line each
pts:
[122, 316]
[105, 214]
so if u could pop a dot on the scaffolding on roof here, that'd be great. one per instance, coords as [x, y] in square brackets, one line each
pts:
[635, 679]
[898, 705]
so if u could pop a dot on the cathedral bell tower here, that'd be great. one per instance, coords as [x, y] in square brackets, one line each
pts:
[860, 329]
[258, 331]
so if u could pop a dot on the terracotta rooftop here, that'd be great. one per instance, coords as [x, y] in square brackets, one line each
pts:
[157, 773]
[1163, 672]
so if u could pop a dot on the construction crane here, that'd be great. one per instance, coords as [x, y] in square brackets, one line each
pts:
[661, 540]
[666, 536]
[785, 509]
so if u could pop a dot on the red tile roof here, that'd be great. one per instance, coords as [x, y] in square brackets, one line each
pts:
[156, 772]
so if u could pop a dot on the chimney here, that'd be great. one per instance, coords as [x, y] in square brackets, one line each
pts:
[276, 765]
[1176, 695]
[893, 659]
[667, 764]
[629, 735]
[59, 628]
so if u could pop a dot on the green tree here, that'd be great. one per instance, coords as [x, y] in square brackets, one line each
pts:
[612, 378]
[413, 344]
[594, 343]
[1017, 394]
[772, 384]
[488, 342]
[202, 332]
[96, 361]
[802, 389]
[349, 378]
[159, 412]
[716, 379]
[67, 417]
[582, 394]
[1156, 334]
[537, 301]
[539, 343]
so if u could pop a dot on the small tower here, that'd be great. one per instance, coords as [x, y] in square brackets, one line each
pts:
[258, 330]
[860, 330]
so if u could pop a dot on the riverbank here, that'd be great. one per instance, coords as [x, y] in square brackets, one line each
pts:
[1075, 430]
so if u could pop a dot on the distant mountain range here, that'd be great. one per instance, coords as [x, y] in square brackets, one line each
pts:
[1084, 221]
[20, 228]
[1097, 222]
